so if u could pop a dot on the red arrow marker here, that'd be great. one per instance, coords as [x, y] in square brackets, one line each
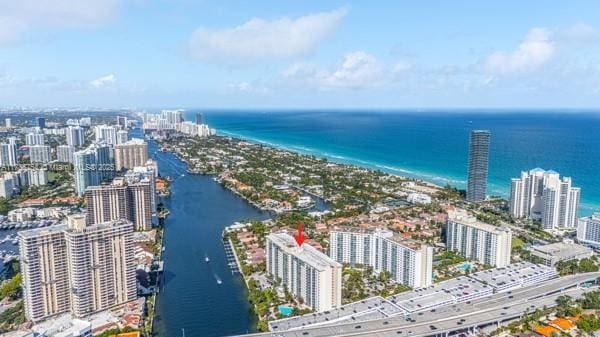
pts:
[299, 237]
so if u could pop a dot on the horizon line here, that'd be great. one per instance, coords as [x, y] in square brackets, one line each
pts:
[308, 109]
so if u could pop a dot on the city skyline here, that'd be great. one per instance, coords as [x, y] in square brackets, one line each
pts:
[299, 168]
[341, 54]
[361, 259]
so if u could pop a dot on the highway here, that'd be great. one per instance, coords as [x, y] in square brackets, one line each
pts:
[454, 318]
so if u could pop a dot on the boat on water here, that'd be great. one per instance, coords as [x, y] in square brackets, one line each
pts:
[217, 278]
[206, 259]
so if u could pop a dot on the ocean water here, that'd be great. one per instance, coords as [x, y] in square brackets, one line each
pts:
[432, 145]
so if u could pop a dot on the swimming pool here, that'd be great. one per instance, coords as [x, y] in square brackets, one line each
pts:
[464, 266]
[285, 310]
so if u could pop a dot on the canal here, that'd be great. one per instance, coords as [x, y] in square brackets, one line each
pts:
[191, 298]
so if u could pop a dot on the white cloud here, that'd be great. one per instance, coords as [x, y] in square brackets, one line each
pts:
[103, 81]
[536, 49]
[249, 88]
[262, 39]
[580, 32]
[354, 71]
[17, 17]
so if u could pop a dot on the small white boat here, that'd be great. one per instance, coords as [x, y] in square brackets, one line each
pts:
[217, 278]
[206, 259]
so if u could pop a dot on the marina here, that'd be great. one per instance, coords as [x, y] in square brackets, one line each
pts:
[230, 255]
[26, 224]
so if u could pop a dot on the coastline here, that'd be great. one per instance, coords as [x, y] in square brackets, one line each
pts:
[434, 180]
[585, 208]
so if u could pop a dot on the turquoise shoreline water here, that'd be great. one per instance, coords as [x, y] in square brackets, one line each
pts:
[432, 146]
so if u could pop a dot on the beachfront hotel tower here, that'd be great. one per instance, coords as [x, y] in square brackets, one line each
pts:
[77, 268]
[476, 240]
[408, 262]
[307, 274]
[479, 143]
[543, 195]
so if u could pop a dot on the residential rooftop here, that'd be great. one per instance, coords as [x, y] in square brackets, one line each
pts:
[462, 217]
[406, 242]
[65, 228]
[306, 252]
[43, 231]
[355, 229]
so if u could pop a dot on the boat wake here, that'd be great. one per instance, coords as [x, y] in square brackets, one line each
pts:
[217, 278]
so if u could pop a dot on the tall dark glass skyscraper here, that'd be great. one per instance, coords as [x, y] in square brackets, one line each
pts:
[40, 122]
[198, 118]
[479, 145]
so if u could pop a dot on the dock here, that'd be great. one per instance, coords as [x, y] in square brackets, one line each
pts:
[230, 256]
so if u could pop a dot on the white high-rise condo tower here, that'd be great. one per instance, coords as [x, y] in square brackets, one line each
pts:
[307, 273]
[477, 240]
[542, 195]
[408, 262]
[588, 230]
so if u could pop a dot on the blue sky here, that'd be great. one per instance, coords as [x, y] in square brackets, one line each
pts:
[297, 54]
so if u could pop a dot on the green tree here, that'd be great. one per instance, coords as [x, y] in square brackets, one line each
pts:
[587, 266]
[591, 300]
[12, 288]
[588, 323]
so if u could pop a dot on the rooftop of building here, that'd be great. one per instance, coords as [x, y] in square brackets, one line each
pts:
[462, 217]
[62, 326]
[306, 252]
[133, 141]
[547, 331]
[43, 231]
[127, 334]
[562, 250]
[512, 273]
[562, 323]
[62, 227]
[595, 216]
[537, 170]
[355, 229]
[100, 226]
[437, 293]
[406, 242]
